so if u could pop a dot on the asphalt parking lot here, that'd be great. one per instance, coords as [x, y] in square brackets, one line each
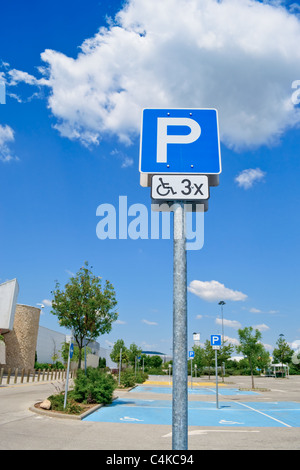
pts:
[141, 419]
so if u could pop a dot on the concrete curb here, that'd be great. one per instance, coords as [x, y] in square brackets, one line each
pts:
[55, 414]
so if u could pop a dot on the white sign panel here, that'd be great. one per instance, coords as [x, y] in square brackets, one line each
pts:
[196, 337]
[180, 187]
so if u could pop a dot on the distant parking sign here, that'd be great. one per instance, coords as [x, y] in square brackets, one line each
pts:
[215, 341]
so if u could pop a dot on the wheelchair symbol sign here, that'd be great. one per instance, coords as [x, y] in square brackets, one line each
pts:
[187, 187]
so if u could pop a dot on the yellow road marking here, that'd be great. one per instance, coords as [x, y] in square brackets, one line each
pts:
[197, 384]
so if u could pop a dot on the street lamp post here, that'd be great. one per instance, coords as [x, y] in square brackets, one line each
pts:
[222, 303]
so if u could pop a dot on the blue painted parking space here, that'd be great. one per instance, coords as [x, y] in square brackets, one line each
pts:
[235, 414]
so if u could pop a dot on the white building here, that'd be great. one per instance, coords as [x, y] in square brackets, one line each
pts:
[50, 342]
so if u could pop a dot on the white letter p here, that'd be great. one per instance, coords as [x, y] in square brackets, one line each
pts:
[163, 139]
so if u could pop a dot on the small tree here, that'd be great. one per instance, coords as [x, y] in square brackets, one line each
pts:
[263, 360]
[225, 354]
[116, 352]
[198, 360]
[283, 353]
[208, 355]
[85, 307]
[133, 352]
[250, 346]
[155, 362]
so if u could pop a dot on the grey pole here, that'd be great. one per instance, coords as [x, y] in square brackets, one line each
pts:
[180, 386]
[67, 378]
[216, 366]
[85, 355]
[222, 303]
[120, 366]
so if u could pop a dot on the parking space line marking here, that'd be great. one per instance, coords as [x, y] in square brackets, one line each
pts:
[268, 416]
[205, 431]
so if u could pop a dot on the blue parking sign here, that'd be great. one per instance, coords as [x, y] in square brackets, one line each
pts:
[215, 340]
[191, 353]
[180, 141]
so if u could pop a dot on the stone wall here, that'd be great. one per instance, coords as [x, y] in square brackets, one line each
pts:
[21, 341]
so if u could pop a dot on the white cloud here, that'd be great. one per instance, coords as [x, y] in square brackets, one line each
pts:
[149, 322]
[6, 138]
[255, 310]
[261, 327]
[198, 317]
[17, 76]
[233, 341]
[127, 162]
[247, 178]
[212, 291]
[47, 302]
[239, 56]
[120, 322]
[295, 344]
[229, 323]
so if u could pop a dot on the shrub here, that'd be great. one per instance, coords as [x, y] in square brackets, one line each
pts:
[141, 377]
[57, 404]
[156, 371]
[127, 378]
[94, 387]
[42, 366]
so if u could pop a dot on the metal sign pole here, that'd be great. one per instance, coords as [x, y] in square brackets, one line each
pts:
[68, 372]
[120, 366]
[216, 365]
[180, 387]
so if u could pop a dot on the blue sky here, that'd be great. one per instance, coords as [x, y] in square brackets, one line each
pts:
[77, 78]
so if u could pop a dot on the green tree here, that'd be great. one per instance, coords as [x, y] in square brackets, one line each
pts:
[250, 346]
[198, 359]
[116, 350]
[224, 354]
[155, 361]
[85, 306]
[133, 352]
[208, 356]
[283, 353]
[263, 360]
